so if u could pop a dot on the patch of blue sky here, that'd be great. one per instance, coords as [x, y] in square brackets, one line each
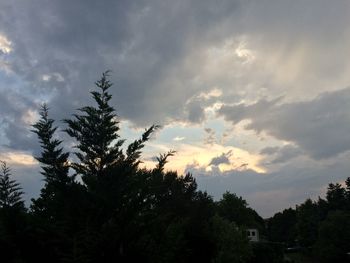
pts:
[217, 125]
[175, 134]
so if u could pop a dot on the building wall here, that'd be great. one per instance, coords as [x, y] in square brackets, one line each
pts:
[253, 234]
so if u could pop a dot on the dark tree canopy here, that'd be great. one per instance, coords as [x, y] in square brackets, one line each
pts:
[54, 162]
[282, 227]
[95, 130]
[235, 209]
[334, 237]
[10, 191]
[320, 228]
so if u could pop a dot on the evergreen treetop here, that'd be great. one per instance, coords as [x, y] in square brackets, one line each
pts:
[10, 191]
[53, 160]
[95, 131]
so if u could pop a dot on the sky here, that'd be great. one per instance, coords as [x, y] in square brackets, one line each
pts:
[254, 96]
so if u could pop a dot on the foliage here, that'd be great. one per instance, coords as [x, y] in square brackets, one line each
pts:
[282, 227]
[95, 130]
[307, 223]
[54, 162]
[321, 227]
[10, 190]
[55, 168]
[232, 244]
[334, 237]
[12, 213]
[267, 252]
[336, 197]
[235, 209]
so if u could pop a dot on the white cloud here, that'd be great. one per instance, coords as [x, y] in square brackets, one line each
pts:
[214, 93]
[203, 156]
[5, 44]
[18, 158]
[56, 76]
[178, 138]
[29, 117]
[46, 77]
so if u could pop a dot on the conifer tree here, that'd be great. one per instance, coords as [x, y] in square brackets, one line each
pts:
[12, 216]
[336, 196]
[54, 162]
[55, 168]
[109, 173]
[10, 190]
[133, 152]
[162, 159]
[347, 183]
[95, 131]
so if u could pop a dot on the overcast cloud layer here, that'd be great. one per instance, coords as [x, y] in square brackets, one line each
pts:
[270, 78]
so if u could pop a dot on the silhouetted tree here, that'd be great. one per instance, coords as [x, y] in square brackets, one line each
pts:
[114, 183]
[347, 183]
[57, 208]
[95, 131]
[323, 208]
[336, 197]
[235, 209]
[334, 237]
[133, 152]
[281, 227]
[307, 223]
[10, 191]
[12, 220]
[54, 162]
[231, 243]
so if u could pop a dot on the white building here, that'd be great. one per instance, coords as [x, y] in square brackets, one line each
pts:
[253, 234]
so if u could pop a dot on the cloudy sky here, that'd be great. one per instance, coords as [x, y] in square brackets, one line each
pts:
[253, 95]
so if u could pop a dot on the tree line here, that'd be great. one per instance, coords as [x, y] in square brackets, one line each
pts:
[98, 205]
[320, 229]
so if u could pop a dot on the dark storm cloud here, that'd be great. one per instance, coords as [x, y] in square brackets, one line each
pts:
[60, 49]
[139, 42]
[195, 111]
[286, 153]
[222, 159]
[14, 123]
[281, 154]
[269, 150]
[320, 126]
